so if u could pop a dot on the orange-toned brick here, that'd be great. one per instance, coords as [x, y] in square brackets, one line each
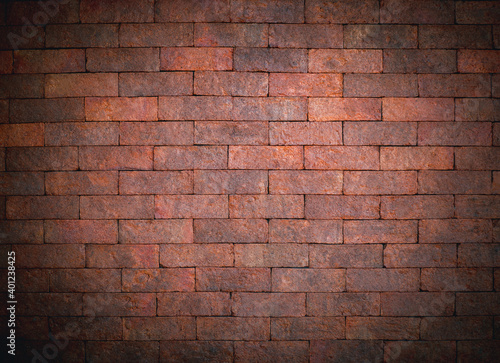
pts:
[122, 256]
[345, 60]
[80, 231]
[195, 108]
[417, 207]
[118, 304]
[266, 206]
[411, 158]
[190, 157]
[81, 85]
[305, 133]
[21, 135]
[49, 61]
[477, 206]
[156, 182]
[231, 133]
[121, 109]
[341, 157]
[350, 256]
[477, 158]
[304, 84]
[265, 157]
[355, 109]
[418, 109]
[272, 109]
[270, 255]
[478, 61]
[191, 206]
[116, 158]
[305, 182]
[381, 231]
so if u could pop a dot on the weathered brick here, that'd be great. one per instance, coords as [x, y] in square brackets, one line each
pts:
[117, 207]
[477, 350]
[266, 206]
[33, 328]
[341, 157]
[121, 109]
[230, 83]
[4, 111]
[477, 206]
[196, 255]
[6, 62]
[230, 230]
[417, 207]
[77, 231]
[14, 183]
[308, 280]
[455, 328]
[430, 351]
[477, 158]
[272, 109]
[380, 182]
[81, 35]
[380, 279]
[357, 11]
[496, 134]
[42, 207]
[414, 255]
[87, 328]
[380, 85]
[156, 84]
[478, 255]
[49, 61]
[272, 351]
[32, 280]
[28, 232]
[495, 184]
[454, 133]
[352, 256]
[191, 206]
[43, 256]
[457, 279]
[230, 182]
[270, 255]
[481, 303]
[184, 351]
[344, 207]
[305, 231]
[21, 85]
[232, 133]
[149, 232]
[37, 159]
[156, 35]
[305, 36]
[190, 157]
[356, 109]
[454, 36]
[21, 135]
[236, 328]
[418, 109]
[308, 328]
[345, 60]
[122, 59]
[49, 304]
[85, 280]
[477, 109]
[19, 39]
[382, 328]
[116, 158]
[156, 182]
[411, 158]
[195, 108]
[194, 304]
[419, 61]
[281, 11]
[477, 12]
[425, 12]
[478, 61]
[342, 304]
[118, 304]
[380, 36]
[454, 85]
[80, 85]
[268, 304]
[380, 133]
[81, 133]
[159, 328]
[383, 231]
[158, 280]
[454, 182]
[453, 231]
[192, 11]
[265, 157]
[47, 110]
[270, 60]
[337, 351]
[122, 350]
[230, 35]
[156, 133]
[196, 59]
[305, 182]
[233, 279]
[116, 11]
[122, 256]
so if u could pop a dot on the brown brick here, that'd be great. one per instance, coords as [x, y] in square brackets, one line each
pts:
[428, 12]
[21, 85]
[87, 328]
[233, 279]
[454, 85]
[81, 133]
[477, 12]
[268, 304]
[156, 35]
[478, 255]
[356, 109]
[270, 60]
[478, 61]
[196, 255]
[156, 328]
[122, 350]
[156, 182]
[457, 279]
[195, 108]
[81, 35]
[117, 207]
[194, 304]
[21, 135]
[378, 279]
[47, 110]
[380, 85]
[121, 256]
[357, 11]
[411, 158]
[477, 206]
[18, 39]
[32, 280]
[34, 328]
[380, 231]
[477, 109]
[454, 36]
[230, 83]
[230, 35]
[305, 182]
[495, 185]
[158, 280]
[4, 111]
[272, 351]
[232, 133]
[308, 328]
[192, 11]
[305, 84]
[272, 109]
[308, 280]
[345, 60]
[496, 134]
[342, 206]
[116, 158]
[414, 255]
[455, 328]
[19, 12]
[121, 109]
[49, 61]
[453, 231]
[336, 351]
[305, 231]
[42, 207]
[79, 232]
[477, 158]
[380, 182]
[419, 61]
[481, 303]
[190, 157]
[481, 351]
[21, 232]
[184, 351]
[305, 36]
[305, 133]
[341, 157]
[352, 256]
[380, 133]
[122, 59]
[196, 59]
[191, 206]
[85, 280]
[281, 11]
[265, 157]
[417, 207]
[230, 182]
[380, 36]
[6, 62]
[382, 328]
[266, 206]
[454, 182]
[230, 230]
[117, 11]
[119, 304]
[14, 183]
[43, 256]
[417, 109]
[225, 328]
[49, 304]
[149, 232]
[47, 158]
[342, 304]
[270, 255]
[156, 84]
[156, 133]
[417, 303]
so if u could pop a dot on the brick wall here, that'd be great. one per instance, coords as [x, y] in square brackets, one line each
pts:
[252, 181]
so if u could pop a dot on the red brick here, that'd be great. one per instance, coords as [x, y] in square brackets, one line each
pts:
[191, 206]
[121, 109]
[455, 328]
[341, 157]
[382, 328]
[380, 36]
[49, 304]
[308, 328]
[232, 133]
[230, 182]
[380, 133]
[268, 304]
[116, 11]
[381, 279]
[190, 157]
[116, 158]
[122, 59]
[196, 255]
[233, 279]
[230, 35]
[454, 182]
[454, 36]
[87, 328]
[356, 109]
[81, 183]
[81, 133]
[121, 256]
[357, 11]
[380, 231]
[272, 109]
[117, 207]
[478, 255]
[342, 304]
[352, 256]
[417, 207]
[158, 280]
[481, 351]
[270, 255]
[304, 84]
[42, 207]
[119, 304]
[454, 85]
[270, 60]
[21, 135]
[6, 62]
[230, 230]
[305, 36]
[230, 83]
[272, 351]
[411, 158]
[477, 206]
[21, 183]
[170, 231]
[345, 60]
[156, 182]
[156, 133]
[196, 59]
[47, 110]
[344, 207]
[47, 158]
[305, 182]
[477, 12]
[419, 61]
[477, 109]
[281, 11]
[21, 232]
[380, 85]
[482, 303]
[81, 35]
[478, 61]
[43, 256]
[434, 351]
[192, 11]
[308, 280]
[156, 84]
[156, 35]
[266, 206]
[85, 280]
[380, 182]
[453, 231]
[194, 304]
[425, 12]
[304, 231]
[184, 351]
[417, 109]
[336, 351]
[236, 328]
[413, 255]
[79, 232]
[265, 157]
[49, 61]
[122, 351]
[457, 279]
[454, 133]
[195, 108]
[477, 158]
[156, 328]
[21, 85]
[32, 280]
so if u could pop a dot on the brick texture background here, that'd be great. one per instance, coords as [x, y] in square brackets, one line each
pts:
[252, 181]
